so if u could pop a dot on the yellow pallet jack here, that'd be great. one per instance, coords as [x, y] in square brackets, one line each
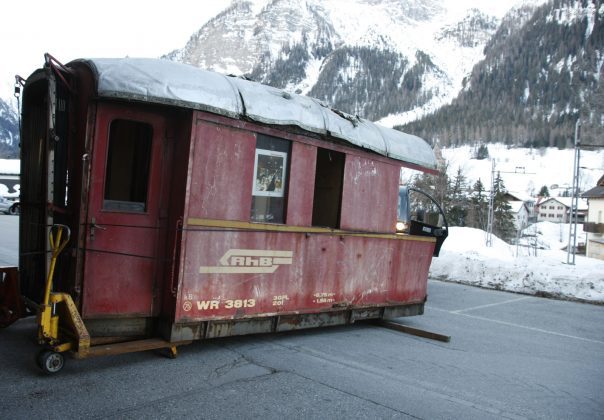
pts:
[61, 329]
[57, 306]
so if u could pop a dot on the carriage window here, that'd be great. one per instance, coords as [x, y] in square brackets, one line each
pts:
[328, 188]
[269, 189]
[127, 172]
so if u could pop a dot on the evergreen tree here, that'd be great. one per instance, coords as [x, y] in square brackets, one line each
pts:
[544, 192]
[458, 208]
[503, 219]
[478, 207]
[482, 152]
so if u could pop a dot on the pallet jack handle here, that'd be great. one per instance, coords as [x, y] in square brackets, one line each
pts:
[57, 244]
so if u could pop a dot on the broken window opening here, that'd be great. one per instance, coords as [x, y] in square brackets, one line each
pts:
[329, 180]
[128, 166]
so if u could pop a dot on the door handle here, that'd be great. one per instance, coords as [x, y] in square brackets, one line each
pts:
[94, 226]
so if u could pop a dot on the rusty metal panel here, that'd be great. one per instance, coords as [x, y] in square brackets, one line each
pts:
[232, 270]
[122, 268]
[301, 186]
[181, 332]
[414, 271]
[222, 170]
[369, 196]
[241, 327]
[401, 311]
[365, 313]
[242, 273]
[121, 284]
[111, 327]
[324, 319]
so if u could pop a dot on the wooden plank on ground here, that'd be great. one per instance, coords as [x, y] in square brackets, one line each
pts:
[414, 331]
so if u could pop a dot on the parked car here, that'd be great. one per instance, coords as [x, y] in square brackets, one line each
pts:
[9, 207]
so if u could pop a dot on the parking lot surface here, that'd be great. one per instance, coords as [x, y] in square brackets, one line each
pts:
[510, 356]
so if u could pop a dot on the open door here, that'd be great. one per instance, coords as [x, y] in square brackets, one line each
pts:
[122, 262]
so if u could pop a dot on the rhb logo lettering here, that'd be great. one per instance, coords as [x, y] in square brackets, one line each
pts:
[249, 261]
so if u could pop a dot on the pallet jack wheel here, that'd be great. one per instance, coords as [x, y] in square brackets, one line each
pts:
[50, 361]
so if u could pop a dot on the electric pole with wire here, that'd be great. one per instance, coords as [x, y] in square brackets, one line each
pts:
[574, 203]
[489, 241]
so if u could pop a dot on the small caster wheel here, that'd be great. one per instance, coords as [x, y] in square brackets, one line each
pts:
[168, 352]
[50, 361]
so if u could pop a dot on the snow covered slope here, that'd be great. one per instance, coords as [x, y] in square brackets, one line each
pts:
[524, 171]
[334, 49]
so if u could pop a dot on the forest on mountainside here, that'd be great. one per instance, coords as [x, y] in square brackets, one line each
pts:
[364, 81]
[378, 82]
[532, 86]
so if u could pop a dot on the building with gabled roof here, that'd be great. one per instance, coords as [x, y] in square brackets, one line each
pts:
[521, 214]
[557, 210]
[528, 201]
[594, 224]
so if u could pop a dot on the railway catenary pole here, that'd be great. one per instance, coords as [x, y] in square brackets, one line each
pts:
[491, 217]
[489, 241]
[574, 204]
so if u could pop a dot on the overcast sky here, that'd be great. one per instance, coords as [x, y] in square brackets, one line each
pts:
[70, 29]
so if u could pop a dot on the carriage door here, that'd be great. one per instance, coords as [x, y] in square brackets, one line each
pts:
[121, 266]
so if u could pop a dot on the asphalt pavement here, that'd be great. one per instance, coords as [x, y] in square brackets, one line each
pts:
[510, 356]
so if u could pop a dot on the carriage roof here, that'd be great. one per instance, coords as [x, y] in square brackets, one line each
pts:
[167, 82]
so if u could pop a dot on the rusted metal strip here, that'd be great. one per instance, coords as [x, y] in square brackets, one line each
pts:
[413, 331]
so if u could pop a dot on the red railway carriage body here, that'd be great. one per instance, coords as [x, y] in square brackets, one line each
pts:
[204, 206]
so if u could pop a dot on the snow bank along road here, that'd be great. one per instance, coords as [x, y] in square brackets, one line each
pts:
[510, 356]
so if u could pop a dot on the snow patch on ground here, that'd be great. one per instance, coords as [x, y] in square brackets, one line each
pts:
[465, 259]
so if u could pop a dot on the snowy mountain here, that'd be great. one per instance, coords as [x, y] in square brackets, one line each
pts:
[369, 57]
[454, 71]
[452, 74]
[9, 131]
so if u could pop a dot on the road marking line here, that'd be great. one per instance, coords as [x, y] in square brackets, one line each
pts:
[511, 324]
[492, 304]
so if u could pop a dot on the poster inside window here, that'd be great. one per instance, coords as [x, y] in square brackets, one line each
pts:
[269, 173]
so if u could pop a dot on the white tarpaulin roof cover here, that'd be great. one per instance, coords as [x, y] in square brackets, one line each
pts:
[168, 82]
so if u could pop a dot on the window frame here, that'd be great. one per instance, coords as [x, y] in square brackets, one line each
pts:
[277, 154]
[146, 133]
